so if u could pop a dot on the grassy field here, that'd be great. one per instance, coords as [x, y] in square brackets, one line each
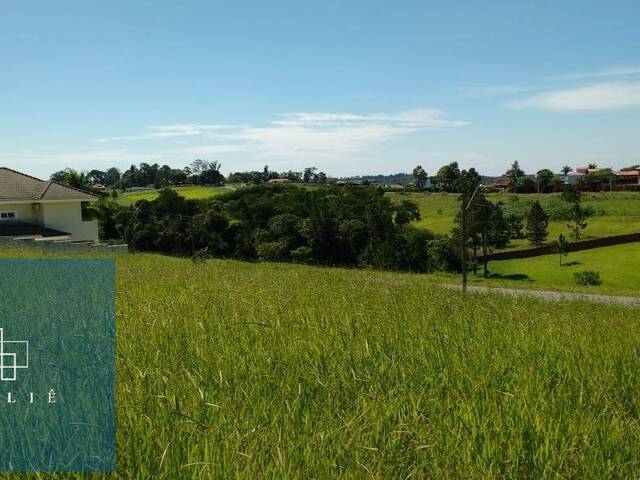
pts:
[621, 211]
[195, 192]
[229, 369]
[619, 267]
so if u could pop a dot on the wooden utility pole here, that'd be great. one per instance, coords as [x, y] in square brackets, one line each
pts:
[484, 254]
[463, 246]
[463, 252]
[193, 242]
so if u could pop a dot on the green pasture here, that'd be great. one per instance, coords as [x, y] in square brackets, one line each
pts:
[616, 212]
[256, 370]
[619, 267]
[189, 192]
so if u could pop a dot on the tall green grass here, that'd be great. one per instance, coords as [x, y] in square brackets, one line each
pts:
[229, 369]
[197, 192]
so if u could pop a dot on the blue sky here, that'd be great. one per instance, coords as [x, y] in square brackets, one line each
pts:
[348, 86]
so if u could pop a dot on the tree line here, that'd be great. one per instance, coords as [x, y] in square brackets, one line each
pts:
[342, 226]
[199, 172]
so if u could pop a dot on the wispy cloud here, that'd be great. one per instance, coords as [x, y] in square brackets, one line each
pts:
[605, 89]
[609, 73]
[602, 96]
[295, 139]
[156, 132]
[497, 90]
[301, 135]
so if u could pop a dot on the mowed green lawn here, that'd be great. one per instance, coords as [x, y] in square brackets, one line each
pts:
[621, 211]
[619, 268]
[190, 192]
[255, 370]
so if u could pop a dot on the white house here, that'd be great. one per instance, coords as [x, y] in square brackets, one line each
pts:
[43, 210]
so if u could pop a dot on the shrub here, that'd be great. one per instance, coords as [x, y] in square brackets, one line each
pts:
[302, 255]
[271, 251]
[587, 278]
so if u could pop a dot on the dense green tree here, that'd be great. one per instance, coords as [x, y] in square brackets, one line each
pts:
[97, 176]
[537, 223]
[420, 177]
[514, 173]
[545, 179]
[516, 225]
[406, 212]
[72, 178]
[309, 174]
[570, 194]
[112, 177]
[525, 185]
[447, 176]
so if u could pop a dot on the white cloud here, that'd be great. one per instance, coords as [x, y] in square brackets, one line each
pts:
[419, 118]
[303, 136]
[333, 136]
[156, 132]
[292, 139]
[603, 96]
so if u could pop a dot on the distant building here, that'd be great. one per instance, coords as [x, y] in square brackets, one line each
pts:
[278, 180]
[579, 172]
[628, 177]
[501, 184]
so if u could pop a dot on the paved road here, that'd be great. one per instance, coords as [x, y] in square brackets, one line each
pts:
[547, 295]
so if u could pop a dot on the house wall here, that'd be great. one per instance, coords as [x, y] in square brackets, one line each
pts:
[67, 217]
[26, 212]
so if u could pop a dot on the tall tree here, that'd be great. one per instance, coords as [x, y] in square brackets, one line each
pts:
[514, 173]
[577, 213]
[537, 223]
[420, 177]
[565, 170]
[309, 175]
[448, 175]
[198, 166]
[112, 177]
[577, 219]
[545, 179]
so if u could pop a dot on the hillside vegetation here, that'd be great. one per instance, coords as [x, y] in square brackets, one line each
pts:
[261, 370]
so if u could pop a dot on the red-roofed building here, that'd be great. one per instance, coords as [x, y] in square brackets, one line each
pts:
[628, 177]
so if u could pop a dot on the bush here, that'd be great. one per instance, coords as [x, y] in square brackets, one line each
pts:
[302, 255]
[587, 278]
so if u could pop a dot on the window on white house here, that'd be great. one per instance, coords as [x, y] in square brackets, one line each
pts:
[8, 215]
